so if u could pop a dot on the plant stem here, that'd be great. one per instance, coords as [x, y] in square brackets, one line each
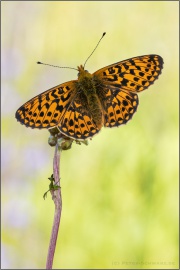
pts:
[56, 196]
[61, 143]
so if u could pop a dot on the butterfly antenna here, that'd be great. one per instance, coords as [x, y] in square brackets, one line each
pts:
[55, 66]
[94, 48]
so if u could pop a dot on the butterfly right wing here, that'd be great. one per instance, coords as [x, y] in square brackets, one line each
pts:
[119, 83]
[46, 109]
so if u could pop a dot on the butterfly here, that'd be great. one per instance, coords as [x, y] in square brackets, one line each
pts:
[108, 97]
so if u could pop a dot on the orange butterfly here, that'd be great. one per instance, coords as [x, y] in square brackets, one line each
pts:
[108, 97]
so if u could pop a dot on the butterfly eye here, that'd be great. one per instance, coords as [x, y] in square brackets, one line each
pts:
[84, 71]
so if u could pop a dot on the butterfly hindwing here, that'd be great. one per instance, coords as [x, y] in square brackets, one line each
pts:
[77, 122]
[118, 106]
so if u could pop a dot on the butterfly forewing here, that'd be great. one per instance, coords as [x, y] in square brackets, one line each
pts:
[134, 74]
[46, 109]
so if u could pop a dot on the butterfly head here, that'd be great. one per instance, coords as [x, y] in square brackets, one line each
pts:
[82, 72]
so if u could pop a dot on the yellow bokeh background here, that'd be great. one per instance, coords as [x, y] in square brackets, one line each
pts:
[120, 193]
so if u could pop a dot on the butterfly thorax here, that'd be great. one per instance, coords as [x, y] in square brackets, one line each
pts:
[87, 87]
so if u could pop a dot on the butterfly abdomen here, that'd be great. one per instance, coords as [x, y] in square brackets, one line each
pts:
[95, 109]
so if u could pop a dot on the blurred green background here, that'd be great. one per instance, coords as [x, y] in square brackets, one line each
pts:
[120, 193]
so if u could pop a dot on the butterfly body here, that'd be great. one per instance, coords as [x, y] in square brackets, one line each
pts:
[89, 86]
[108, 98]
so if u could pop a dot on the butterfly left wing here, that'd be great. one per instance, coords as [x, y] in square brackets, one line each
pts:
[77, 121]
[135, 74]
